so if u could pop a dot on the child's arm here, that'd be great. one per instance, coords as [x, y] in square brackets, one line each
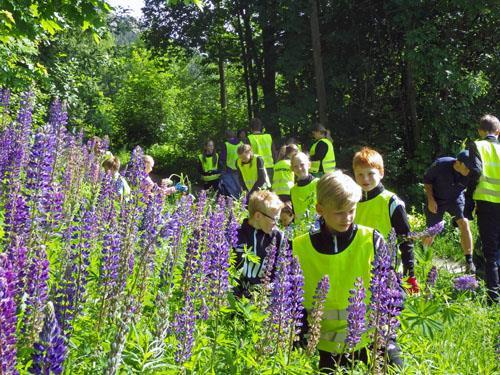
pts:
[399, 221]
[320, 152]
[431, 202]
[261, 179]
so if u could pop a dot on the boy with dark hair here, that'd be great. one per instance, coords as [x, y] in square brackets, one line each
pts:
[444, 183]
[381, 209]
[484, 165]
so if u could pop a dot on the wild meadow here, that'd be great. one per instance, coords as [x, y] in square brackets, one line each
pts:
[92, 282]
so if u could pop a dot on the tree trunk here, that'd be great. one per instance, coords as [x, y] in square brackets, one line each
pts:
[254, 66]
[268, 21]
[222, 87]
[244, 61]
[318, 62]
[410, 109]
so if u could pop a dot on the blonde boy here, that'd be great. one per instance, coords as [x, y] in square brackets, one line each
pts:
[256, 234]
[303, 193]
[342, 250]
[381, 209]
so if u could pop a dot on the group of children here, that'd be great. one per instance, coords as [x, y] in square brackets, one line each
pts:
[356, 215]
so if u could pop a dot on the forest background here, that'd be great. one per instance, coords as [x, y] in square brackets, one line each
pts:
[408, 78]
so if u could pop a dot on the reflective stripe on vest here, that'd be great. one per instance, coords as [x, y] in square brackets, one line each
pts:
[283, 178]
[262, 144]
[304, 200]
[342, 269]
[488, 187]
[209, 165]
[250, 173]
[375, 213]
[231, 154]
[328, 163]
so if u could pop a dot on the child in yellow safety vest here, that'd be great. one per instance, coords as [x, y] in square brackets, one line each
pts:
[322, 154]
[209, 166]
[284, 178]
[303, 193]
[251, 171]
[484, 175]
[262, 144]
[381, 209]
[343, 251]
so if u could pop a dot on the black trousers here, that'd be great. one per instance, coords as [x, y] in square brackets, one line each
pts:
[488, 221]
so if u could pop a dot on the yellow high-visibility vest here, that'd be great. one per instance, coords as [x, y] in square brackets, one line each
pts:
[304, 200]
[342, 268]
[283, 178]
[231, 154]
[328, 163]
[488, 187]
[262, 144]
[209, 164]
[250, 173]
[376, 213]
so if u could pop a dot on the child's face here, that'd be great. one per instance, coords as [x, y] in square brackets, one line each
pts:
[317, 135]
[266, 221]
[209, 147]
[367, 177]
[245, 157]
[337, 219]
[148, 165]
[286, 218]
[300, 168]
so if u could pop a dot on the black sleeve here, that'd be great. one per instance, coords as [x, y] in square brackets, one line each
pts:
[261, 179]
[320, 152]
[430, 174]
[223, 158]
[240, 245]
[399, 221]
[475, 165]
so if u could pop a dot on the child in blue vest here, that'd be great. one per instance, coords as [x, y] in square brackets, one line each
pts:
[382, 209]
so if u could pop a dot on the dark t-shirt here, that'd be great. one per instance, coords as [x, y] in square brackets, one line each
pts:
[447, 184]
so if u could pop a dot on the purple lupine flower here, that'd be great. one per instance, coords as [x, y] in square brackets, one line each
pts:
[70, 294]
[36, 291]
[466, 282]
[280, 302]
[432, 277]
[112, 285]
[17, 214]
[379, 292]
[50, 351]
[232, 224]
[356, 317]
[136, 172]
[5, 98]
[184, 326]
[428, 232]
[395, 305]
[296, 297]
[8, 319]
[216, 257]
[316, 313]
[17, 253]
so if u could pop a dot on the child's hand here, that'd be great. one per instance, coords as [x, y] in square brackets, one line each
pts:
[432, 206]
[412, 287]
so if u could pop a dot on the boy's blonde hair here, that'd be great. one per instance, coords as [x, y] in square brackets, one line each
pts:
[337, 190]
[299, 156]
[489, 124]
[148, 159]
[262, 201]
[367, 157]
